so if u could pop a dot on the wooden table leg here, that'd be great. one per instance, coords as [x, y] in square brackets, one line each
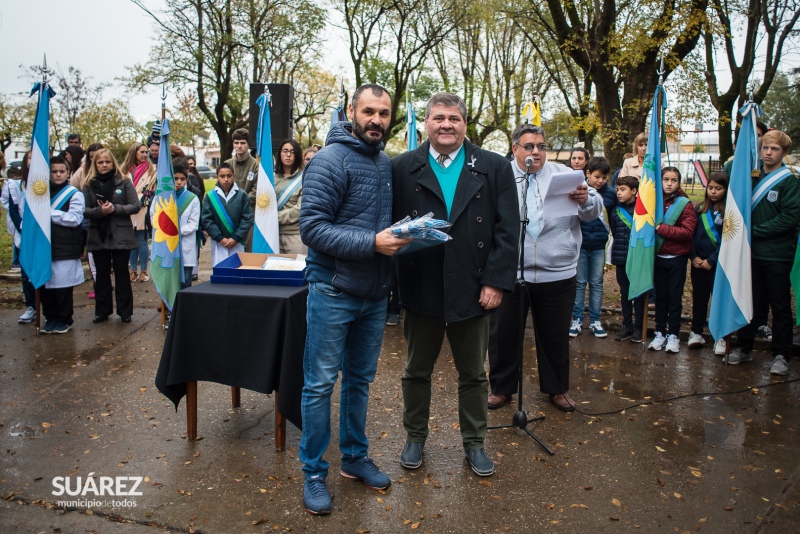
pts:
[191, 410]
[280, 427]
[236, 397]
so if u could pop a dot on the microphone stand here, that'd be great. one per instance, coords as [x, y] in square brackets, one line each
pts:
[520, 419]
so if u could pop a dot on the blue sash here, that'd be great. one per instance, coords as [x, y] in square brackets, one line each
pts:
[767, 183]
[626, 217]
[216, 202]
[671, 217]
[184, 201]
[711, 229]
[60, 199]
[289, 190]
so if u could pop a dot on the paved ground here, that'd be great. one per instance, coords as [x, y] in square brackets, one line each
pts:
[724, 459]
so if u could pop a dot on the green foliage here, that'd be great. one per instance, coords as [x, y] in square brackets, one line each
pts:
[780, 107]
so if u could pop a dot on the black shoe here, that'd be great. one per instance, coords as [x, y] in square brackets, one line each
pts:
[194, 277]
[100, 318]
[411, 457]
[636, 337]
[126, 319]
[625, 333]
[480, 463]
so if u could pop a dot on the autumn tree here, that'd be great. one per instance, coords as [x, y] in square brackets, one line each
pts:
[396, 37]
[769, 25]
[220, 47]
[618, 45]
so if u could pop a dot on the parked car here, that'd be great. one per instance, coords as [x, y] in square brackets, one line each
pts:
[205, 172]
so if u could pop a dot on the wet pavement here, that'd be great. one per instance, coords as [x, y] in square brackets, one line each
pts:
[683, 444]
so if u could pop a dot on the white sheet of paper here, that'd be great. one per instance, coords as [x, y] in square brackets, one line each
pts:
[556, 201]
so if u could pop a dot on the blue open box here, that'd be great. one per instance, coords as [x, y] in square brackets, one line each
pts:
[245, 268]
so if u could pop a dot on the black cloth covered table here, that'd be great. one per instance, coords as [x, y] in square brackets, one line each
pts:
[244, 336]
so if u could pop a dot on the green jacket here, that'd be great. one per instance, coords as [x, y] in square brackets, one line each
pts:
[238, 207]
[774, 223]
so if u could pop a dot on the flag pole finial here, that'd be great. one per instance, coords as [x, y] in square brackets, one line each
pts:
[46, 72]
[751, 87]
[660, 72]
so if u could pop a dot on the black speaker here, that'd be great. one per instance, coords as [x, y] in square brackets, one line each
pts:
[281, 112]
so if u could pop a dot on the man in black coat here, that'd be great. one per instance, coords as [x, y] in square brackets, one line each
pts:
[451, 288]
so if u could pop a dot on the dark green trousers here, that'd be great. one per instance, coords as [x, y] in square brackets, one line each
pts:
[468, 341]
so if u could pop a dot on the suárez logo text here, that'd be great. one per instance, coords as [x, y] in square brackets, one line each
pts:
[113, 486]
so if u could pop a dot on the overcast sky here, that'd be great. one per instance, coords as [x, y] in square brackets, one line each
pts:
[102, 38]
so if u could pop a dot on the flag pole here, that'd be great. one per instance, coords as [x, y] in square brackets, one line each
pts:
[38, 303]
[163, 116]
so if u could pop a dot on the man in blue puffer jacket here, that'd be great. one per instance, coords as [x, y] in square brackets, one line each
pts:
[344, 221]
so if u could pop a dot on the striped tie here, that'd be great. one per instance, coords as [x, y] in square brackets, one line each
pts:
[442, 158]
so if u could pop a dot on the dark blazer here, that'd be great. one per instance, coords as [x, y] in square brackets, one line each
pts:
[446, 279]
[126, 203]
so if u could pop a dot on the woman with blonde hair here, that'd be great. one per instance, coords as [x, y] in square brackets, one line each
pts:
[142, 173]
[111, 199]
[633, 165]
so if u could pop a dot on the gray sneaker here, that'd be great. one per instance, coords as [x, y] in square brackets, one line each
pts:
[737, 357]
[779, 366]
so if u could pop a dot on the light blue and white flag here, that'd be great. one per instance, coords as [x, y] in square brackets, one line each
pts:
[265, 229]
[411, 120]
[35, 254]
[732, 301]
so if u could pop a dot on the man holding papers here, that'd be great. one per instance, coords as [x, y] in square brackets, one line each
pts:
[552, 245]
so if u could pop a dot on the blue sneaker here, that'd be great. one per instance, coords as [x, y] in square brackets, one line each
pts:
[315, 496]
[61, 328]
[575, 328]
[366, 471]
[598, 329]
[48, 328]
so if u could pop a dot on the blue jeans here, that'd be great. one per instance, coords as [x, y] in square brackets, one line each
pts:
[187, 278]
[15, 256]
[141, 254]
[344, 334]
[590, 269]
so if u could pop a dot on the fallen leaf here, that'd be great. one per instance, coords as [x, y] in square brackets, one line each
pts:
[260, 521]
[46, 425]
[659, 449]
[698, 474]
[616, 503]
[677, 495]
[486, 483]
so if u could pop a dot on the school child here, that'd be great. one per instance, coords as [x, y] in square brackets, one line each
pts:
[189, 214]
[621, 220]
[66, 240]
[705, 248]
[227, 216]
[673, 246]
[591, 257]
[11, 200]
[774, 223]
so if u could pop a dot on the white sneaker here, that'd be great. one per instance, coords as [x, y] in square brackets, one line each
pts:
[575, 328]
[28, 316]
[696, 340]
[658, 342]
[720, 346]
[673, 343]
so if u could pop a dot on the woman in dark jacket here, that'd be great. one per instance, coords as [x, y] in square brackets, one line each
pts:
[111, 199]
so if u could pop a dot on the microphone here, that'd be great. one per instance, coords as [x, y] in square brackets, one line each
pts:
[528, 161]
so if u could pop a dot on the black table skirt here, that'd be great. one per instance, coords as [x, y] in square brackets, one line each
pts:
[250, 337]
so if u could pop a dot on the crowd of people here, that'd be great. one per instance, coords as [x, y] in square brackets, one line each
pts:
[101, 214]
[507, 258]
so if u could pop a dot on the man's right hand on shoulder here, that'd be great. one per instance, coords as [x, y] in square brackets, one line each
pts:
[387, 244]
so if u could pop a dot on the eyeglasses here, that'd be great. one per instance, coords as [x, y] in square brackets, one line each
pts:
[287, 151]
[541, 147]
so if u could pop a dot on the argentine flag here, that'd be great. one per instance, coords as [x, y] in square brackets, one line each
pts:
[265, 230]
[35, 255]
[732, 301]
[411, 119]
